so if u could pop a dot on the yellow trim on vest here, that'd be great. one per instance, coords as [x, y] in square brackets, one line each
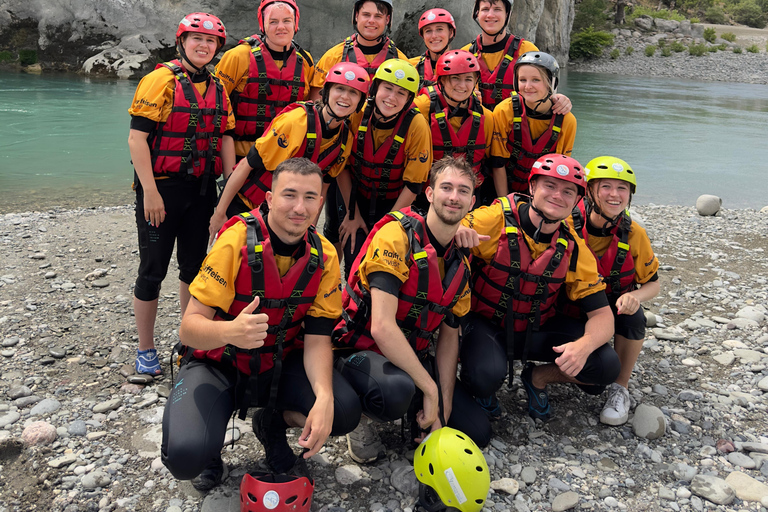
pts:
[399, 139]
[556, 129]
[439, 114]
[258, 248]
[476, 114]
[505, 203]
[624, 246]
[311, 135]
[562, 241]
[363, 129]
[511, 229]
[397, 215]
[420, 255]
[508, 57]
[312, 250]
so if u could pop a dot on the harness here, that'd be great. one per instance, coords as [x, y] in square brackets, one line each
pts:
[426, 73]
[268, 89]
[497, 85]
[351, 53]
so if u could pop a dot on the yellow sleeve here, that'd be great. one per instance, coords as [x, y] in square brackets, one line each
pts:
[503, 116]
[488, 128]
[387, 252]
[214, 285]
[418, 151]
[402, 56]
[326, 62]
[527, 46]
[466, 46]
[486, 220]
[153, 98]
[422, 103]
[284, 139]
[327, 304]
[414, 60]
[567, 135]
[585, 280]
[234, 67]
[464, 303]
[646, 262]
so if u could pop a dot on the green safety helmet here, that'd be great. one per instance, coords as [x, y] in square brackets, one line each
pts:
[610, 167]
[398, 72]
[452, 472]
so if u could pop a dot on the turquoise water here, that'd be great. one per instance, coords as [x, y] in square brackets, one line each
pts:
[63, 138]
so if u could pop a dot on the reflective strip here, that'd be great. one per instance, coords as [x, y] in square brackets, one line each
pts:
[312, 250]
[420, 255]
[624, 246]
[311, 135]
[258, 248]
[556, 129]
[562, 241]
[511, 229]
[439, 114]
[399, 139]
[363, 129]
[397, 215]
[505, 204]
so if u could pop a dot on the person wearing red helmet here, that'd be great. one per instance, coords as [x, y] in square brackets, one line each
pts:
[369, 46]
[437, 28]
[527, 257]
[460, 124]
[265, 72]
[179, 144]
[318, 130]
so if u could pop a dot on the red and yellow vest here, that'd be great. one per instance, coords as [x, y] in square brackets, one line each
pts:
[497, 85]
[351, 53]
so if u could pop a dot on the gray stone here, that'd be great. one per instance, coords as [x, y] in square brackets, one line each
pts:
[689, 395]
[109, 405]
[751, 313]
[666, 25]
[95, 479]
[648, 422]
[644, 22]
[565, 501]
[741, 460]
[57, 352]
[743, 323]
[404, 480]
[44, 407]
[746, 487]
[528, 475]
[650, 319]
[507, 485]
[65, 460]
[224, 500]
[665, 334]
[38, 433]
[763, 384]
[713, 489]
[19, 392]
[708, 205]
[100, 283]
[755, 447]
[748, 356]
[141, 378]
[77, 428]
[684, 472]
[348, 474]
[725, 359]
[10, 342]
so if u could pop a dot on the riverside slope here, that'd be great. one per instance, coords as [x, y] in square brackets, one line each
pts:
[67, 331]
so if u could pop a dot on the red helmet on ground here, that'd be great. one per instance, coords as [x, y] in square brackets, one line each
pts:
[436, 16]
[351, 74]
[560, 167]
[265, 3]
[455, 62]
[264, 492]
[203, 23]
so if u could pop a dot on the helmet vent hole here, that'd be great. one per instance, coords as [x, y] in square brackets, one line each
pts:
[431, 469]
[461, 437]
[479, 469]
[602, 167]
[253, 498]
[468, 451]
[423, 450]
[291, 499]
[479, 501]
[629, 171]
[304, 503]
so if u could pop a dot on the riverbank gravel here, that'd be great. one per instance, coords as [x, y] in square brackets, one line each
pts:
[75, 435]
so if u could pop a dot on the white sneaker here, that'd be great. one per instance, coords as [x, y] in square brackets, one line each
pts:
[364, 443]
[616, 409]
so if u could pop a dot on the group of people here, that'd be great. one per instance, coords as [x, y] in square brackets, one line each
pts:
[467, 232]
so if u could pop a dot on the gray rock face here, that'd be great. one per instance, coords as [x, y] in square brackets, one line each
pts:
[708, 204]
[545, 22]
[713, 489]
[666, 25]
[644, 22]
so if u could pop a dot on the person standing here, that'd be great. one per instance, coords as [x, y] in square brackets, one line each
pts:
[437, 28]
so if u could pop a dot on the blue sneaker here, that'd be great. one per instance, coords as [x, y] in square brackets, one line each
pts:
[490, 406]
[538, 399]
[147, 363]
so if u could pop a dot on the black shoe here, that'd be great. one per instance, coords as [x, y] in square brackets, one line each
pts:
[269, 427]
[210, 477]
[538, 399]
[490, 406]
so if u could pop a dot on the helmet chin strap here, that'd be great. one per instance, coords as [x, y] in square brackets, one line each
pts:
[458, 103]
[180, 49]
[544, 220]
[543, 100]
[332, 115]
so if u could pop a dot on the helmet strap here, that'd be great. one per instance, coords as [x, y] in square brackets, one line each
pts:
[197, 70]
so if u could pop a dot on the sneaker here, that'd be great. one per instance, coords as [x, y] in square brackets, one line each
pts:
[538, 399]
[269, 427]
[210, 477]
[364, 443]
[490, 406]
[147, 362]
[616, 409]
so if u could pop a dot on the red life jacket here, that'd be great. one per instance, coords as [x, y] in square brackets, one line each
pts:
[189, 142]
[425, 299]
[260, 179]
[523, 150]
[378, 173]
[351, 53]
[497, 85]
[426, 73]
[469, 140]
[616, 265]
[268, 89]
[285, 299]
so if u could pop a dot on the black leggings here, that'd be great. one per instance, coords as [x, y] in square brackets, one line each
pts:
[484, 354]
[386, 392]
[207, 393]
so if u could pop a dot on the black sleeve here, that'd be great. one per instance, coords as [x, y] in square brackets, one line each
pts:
[416, 188]
[231, 133]
[452, 320]
[497, 161]
[142, 124]
[254, 158]
[593, 301]
[385, 282]
[654, 277]
[320, 326]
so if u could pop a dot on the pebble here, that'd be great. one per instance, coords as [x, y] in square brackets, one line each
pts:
[713, 489]
[528, 475]
[648, 422]
[109, 405]
[741, 460]
[77, 428]
[565, 501]
[95, 479]
[746, 487]
[404, 480]
[507, 485]
[348, 474]
[141, 378]
[46, 406]
[38, 433]
[65, 460]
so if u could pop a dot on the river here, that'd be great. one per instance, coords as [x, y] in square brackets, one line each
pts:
[63, 138]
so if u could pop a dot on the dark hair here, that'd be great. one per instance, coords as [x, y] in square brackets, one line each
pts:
[458, 164]
[382, 7]
[300, 166]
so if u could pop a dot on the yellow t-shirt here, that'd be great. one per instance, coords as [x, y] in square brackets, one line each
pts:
[333, 57]
[489, 220]
[234, 68]
[388, 252]
[224, 262]
[492, 60]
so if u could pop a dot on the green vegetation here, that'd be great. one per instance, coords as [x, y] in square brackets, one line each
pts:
[697, 50]
[589, 43]
[677, 46]
[664, 14]
[6, 56]
[710, 35]
[591, 13]
[27, 57]
[650, 50]
[753, 49]
[629, 51]
[728, 36]
[661, 43]
[715, 14]
[748, 12]
[737, 49]
[666, 52]
[722, 47]
[615, 53]
[695, 20]
[713, 49]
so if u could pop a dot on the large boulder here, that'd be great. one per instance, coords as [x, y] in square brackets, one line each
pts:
[666, 25]
[708, 205]
[644, 22]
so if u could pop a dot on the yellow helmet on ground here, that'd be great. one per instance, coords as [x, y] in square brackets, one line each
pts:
[399, 72]
[610, 167]
[452, 471]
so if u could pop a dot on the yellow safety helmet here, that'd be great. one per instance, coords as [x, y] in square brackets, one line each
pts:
[610, 167]
[452, 470]
[399, 72]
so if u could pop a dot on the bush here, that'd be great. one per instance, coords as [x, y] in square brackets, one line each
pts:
[753, 49]
[591, 13]
[747, 12]
[629, 50]
[694, 20]
[677, 46]
[710, 35]
[697, 50]
[661, 43]
[589, 43]
[6, 56]
[737, 49]
[728, 36]
[664, 14]
[27, 57]
[615, 53]
[666, 52]
[715, 15]
[650, 50]
[766, 47]
[713, 49]
[722, 47]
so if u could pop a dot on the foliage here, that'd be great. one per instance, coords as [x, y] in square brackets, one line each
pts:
[728, 36]
[615, 53]
[664, 14]
[695, 20]
[710, 35]
[722, 47]
[591, 13]
[666, 52]
[629, 50]
[650, 50]
[747, 12]
[677, 46]
[589, 43]
[753, 49]
[27, 57]
[697, 50]
[713, 49]
[6, 56]
[661, 43]
[715, 14]
[737, 49]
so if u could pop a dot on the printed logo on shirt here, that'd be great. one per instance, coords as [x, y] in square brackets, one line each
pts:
[208, 271]
[146, 103]
[423, 156]
[392, 255]
[650, 262]
[325, 296]
[282, 141]
[225, 76]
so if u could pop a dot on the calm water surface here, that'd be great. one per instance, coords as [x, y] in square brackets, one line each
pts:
[63, 138]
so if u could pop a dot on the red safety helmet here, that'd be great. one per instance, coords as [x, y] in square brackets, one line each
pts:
[265, 3]
[436, 16]
[265, 492]
[455, 62]
[202, 23]
[560, 167]
[351, 74]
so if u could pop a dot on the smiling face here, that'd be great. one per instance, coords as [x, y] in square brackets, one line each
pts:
[612, 196]
[279, 25]
[371, 22]
[532, 84]
[451, 197]
[491, 16]
[459, 87]
[555, 198]
[391, 98]
[294, 202]
[437, 36]
[343, 99]
[200, 49]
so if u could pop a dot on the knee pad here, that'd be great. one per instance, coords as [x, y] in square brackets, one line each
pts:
[145, 289]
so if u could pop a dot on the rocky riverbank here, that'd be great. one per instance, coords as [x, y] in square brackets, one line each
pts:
[76, 436]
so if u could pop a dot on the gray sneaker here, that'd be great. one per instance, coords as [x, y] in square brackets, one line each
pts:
[616, 409]
[364, 443]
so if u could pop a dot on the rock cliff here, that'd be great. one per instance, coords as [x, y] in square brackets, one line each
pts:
[125, 38]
